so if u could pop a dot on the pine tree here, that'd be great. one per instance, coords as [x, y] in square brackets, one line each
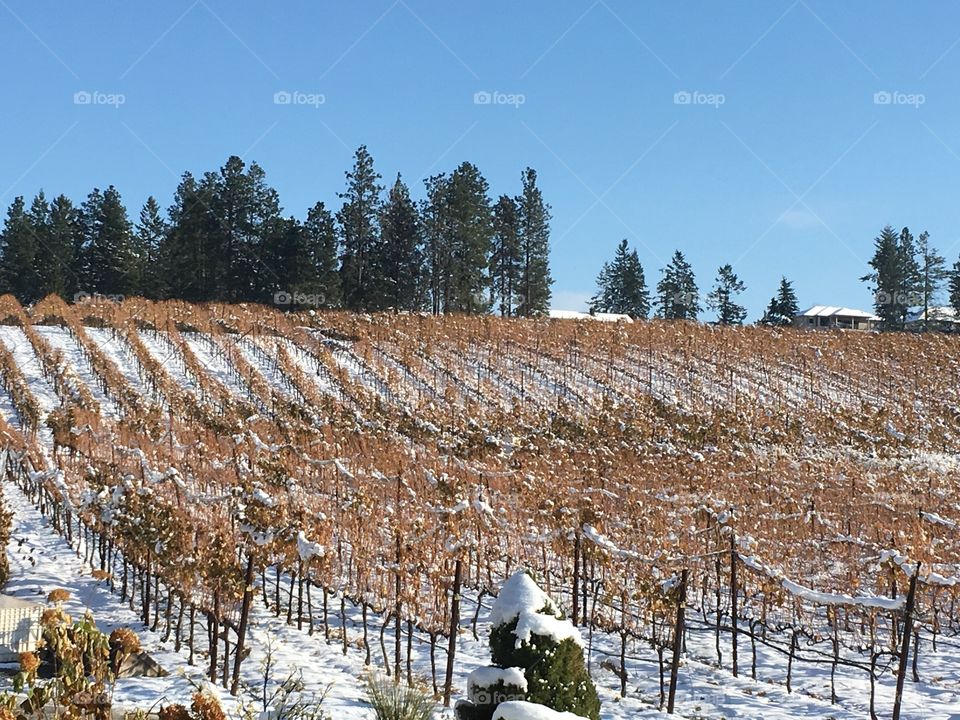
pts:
[245, 211]
[435, 211]
[505, 260]
[359, 278]
[39, 222]
[678, 297]
[149, 234]
[621, 285]
[783, 307]
[189, 254]
[55, 257]
[933, 271]
[470, 240]
[458, 221]
[954, 287]
[321, 236]
[400, 257]
[18, 250]
[534, 236]
[107, 251]
[294, 276]
[722, 298]
[896, 277]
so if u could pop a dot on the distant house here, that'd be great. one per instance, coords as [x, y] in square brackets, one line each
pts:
[601, 317]
[940, 318]
[822, 317]
[19, 627]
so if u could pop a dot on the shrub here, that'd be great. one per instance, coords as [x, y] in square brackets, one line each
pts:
[530, 633]
[394, 701]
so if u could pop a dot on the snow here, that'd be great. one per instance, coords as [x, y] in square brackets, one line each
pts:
[821, 598]
[487, 677]
[307, 549]
[601, 317]
[521, 599]
[598, 538]
[834, 311]
[519, 594]
[520, 710]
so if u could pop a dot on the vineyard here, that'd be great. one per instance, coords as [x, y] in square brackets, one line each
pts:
[741, 521]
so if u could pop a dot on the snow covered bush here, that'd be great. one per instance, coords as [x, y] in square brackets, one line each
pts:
[487, 687]
[530, 635]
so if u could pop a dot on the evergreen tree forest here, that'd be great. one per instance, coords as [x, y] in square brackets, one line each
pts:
[226, 237]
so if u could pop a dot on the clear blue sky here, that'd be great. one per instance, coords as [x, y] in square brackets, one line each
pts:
[794, 172]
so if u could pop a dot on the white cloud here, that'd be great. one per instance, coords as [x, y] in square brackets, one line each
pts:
[799, 219]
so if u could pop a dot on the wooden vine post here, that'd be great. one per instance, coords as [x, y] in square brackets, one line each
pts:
[905, 641]
[678, 631]
[733, 602]
[454, 627]
[242, 630]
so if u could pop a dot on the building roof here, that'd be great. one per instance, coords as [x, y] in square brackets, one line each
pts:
[8, 602]
[944, 314]
[602, 317]
[834, 311]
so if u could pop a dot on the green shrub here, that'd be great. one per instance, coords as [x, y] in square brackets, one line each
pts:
[531, 634]
[556, 674]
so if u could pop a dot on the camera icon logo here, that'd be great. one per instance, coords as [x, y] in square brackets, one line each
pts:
[882, 97]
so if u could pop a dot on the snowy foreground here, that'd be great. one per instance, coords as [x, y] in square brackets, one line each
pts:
[42, 561]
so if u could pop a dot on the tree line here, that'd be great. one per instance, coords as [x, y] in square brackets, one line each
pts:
[225, 238]
[907, 275]
[622, 289]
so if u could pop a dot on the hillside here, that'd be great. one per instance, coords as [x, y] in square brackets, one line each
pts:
[369, 471]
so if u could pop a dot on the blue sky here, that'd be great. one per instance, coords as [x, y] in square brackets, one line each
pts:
[744, 132]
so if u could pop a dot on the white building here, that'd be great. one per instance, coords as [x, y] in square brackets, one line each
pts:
[19, 627]
[822, 317]
[601, 317]
[941, 318]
